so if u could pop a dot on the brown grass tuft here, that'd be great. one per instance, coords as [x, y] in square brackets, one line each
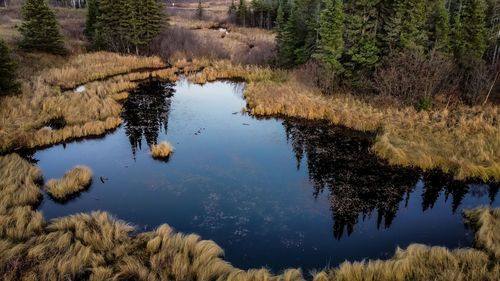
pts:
[72, 182]
[161, 150]
[486, 221]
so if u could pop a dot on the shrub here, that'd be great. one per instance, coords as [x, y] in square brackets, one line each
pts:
[412, 76]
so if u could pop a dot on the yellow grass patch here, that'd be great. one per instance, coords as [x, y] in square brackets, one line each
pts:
[72, 182]
[161, 150]
[93, 111]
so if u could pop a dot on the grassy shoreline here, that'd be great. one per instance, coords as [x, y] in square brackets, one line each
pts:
[460, 140]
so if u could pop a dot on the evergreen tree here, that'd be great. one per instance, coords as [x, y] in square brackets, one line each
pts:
[279, 24]
[289, 39]
[91, 19]
[413, 33]
[361, 52]
[128, 25]
[307, 27]
[199, 11]
[469, 35]
[40, 28]
[440, 27]
[8, 84]
[242, 13]
[331, 43]
[232, 9]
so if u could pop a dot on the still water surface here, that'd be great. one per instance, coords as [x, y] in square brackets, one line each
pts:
[271, 192]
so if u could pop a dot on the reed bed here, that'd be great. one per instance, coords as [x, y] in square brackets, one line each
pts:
[74, 181]
[96, 246]
[161, 150]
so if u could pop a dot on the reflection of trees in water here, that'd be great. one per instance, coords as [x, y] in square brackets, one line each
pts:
[358, 182]
[146, 112]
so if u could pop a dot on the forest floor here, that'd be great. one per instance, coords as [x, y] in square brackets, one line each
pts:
[458, 139]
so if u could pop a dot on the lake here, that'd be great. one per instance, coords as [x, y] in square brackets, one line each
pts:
[273, 192]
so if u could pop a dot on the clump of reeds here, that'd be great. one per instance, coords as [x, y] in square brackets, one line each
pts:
[486, 221]
[162, 150]
[72, 182]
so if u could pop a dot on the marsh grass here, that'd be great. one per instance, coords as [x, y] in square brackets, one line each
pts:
[486, 222]
[74, 181]
[163, 150]
[94, 111]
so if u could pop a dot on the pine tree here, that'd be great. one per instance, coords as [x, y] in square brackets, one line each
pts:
[361, 52]
[413, 35]
[331, 44]
[289, 40]
[91, 19]
[469, 34]
[440, 28]
[8, 84]
[242, 13]
[40, 28]
[307, 27]
[199, 11]
[279, 24]
[232, 9]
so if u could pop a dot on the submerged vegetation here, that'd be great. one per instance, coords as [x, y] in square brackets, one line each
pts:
[75, 180]
[98, 247]
[161, 150]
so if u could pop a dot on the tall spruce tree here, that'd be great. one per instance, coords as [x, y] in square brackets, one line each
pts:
[40, 28]
[331, 43]
[361, 52]
[242, 13]
[91, 19]
[307, 27]
[8, 83]
[469, 35]
[439, 25]
[289, 39]
[279, 24]
[199, 10]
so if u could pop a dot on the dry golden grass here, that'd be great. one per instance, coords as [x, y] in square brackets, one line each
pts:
[74, 181]
[161, 150]
[23, 118]
[487, 224]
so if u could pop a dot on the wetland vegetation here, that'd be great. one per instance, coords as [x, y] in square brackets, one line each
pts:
[324, 151]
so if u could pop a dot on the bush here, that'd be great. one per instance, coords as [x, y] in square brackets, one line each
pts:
[412, 76]
[181, 43]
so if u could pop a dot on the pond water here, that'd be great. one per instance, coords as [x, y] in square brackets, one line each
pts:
[271, 192]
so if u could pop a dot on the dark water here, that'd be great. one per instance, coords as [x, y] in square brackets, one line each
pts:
[275, 193]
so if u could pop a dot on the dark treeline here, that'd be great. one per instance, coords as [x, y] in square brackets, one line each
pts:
[381, 43]
[413, 49]
[123, 25]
